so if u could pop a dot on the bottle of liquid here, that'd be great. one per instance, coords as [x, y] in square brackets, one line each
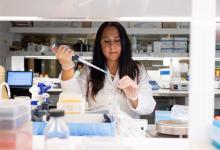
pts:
[149, 47]
[134, 43]
[56, 132]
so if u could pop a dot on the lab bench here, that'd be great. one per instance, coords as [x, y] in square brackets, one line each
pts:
[173, 97]
[165, 99]
[121, 143]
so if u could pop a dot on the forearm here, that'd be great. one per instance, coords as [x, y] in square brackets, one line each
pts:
[67, 74]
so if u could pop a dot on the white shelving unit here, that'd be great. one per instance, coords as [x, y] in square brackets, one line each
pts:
[88, 55]
[67, 30]
[141, 31]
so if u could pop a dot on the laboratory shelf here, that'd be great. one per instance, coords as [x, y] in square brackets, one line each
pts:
[68, 30]
[88, 55]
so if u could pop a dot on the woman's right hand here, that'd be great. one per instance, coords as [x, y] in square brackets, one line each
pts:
[64, 55]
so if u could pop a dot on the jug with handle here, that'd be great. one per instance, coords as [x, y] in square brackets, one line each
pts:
[3, 94]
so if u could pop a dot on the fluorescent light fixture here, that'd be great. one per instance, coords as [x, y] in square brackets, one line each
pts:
[218, 59]
[19, 18]
[54, 57]
[89, 18]
[41, 57]
[156, 19]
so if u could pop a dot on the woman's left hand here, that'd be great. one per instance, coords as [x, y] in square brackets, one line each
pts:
[129, 87]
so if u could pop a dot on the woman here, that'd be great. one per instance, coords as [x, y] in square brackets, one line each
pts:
[126, 83]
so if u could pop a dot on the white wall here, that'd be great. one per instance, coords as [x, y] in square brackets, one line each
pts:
[5, 42]
[95, 8]
[5, 38]
[218, 8]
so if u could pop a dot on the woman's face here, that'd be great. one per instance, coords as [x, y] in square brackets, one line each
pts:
[111, 44]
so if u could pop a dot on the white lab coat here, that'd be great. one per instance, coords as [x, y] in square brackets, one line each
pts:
[110, 94]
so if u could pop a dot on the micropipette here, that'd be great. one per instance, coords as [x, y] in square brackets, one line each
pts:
[76, 57]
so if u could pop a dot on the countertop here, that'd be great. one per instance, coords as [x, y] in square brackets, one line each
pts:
[160, 92]
[118, 143]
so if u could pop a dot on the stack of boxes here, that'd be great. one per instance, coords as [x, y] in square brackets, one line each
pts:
[15, 126]
[180, 45]
[174, 45]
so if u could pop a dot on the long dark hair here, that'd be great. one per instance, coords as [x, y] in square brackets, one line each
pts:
[127, 66]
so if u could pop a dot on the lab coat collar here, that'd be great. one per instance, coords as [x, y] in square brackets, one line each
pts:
[116, 78]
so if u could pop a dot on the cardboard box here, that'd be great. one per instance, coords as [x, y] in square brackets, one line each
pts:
[86, 24]
[169, 25]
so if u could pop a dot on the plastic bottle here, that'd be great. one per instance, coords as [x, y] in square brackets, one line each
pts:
[56, 132]
[149, 47]
[134, 43]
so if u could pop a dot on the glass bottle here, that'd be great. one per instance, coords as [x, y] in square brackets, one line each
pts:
[56, 132]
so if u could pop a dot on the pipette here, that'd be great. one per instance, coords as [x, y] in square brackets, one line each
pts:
[77, 58]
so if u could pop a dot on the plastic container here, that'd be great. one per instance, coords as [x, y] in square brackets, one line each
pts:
[134, 43]
[17, 139]
[71, 103]
[83, 125]
[56, 132]
[14, 113]
[162, 115]
[180, 112]
[165, 77]
[214, 134]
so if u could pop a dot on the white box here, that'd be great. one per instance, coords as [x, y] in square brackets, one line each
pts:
[98, 24]
[76, 24]
[167, 44]
[180, 38]
[179, 50]
[184, 25]
[141, 126]
[52, 24]
[145, 24]
[167, 50]
[84, 118]
[180, 44]
[71, 103]
[14, 113]
[157, 47]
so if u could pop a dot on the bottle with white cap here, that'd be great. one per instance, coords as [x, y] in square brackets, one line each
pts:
[134, 43]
